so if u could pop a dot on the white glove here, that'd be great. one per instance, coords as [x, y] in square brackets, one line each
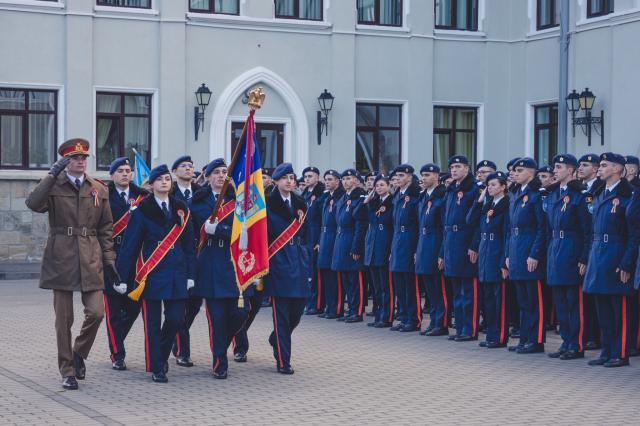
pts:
[190, 284]
[255, 282]
[210, 227]
[120, 288]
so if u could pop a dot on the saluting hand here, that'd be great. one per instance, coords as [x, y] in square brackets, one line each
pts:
[532, 264]
[59, 166]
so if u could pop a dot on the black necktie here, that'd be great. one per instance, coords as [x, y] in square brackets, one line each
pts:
[563, 191]
[165, 210]
[123, 195]
[187, 194]
[288, 205]
[78, 183]
[607, 192]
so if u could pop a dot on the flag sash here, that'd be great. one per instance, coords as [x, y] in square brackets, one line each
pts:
[223, 212]
[121, 224]
[286, 235]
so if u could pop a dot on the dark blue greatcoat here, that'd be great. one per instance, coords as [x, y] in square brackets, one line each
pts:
[328, 227]
[175, 191]
[405, 229]
[147, 227]
[489, 240]
[289, 268]
[377, 242]
[431, 209]
[351, 221]
[569, 234]
[613, 246]
[633, 223]
[314, 200]
[526, 236]
[458, 235]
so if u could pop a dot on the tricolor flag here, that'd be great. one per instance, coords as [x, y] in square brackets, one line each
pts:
[140, 169]
[249, 243]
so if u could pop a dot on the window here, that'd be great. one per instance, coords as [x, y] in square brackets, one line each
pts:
[378, 137]
[599, 8]
[548, 14]
[226, 7]
[546, 133]
[270, 140]
[136, 4]
[380, 12]
[299, 9]
[457, 14]
[28, 128]
[123, 123]
[454, 133]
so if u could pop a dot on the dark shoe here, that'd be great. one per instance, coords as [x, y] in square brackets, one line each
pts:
[322, 315]
[343, 318]
[464, 338]
[571, 355]
[494, 345]
[70, 383]
[557, 354]
[78, 365]
[591, 346]
[222, 374]
[312, 312]
[327, 316]
[453, 337]
[371, 314]
[119, 365]
[483, 344]
[371, 324]
[159, 377]
[285, 370]
[598, 361]
[407, 328]
[184, 361]
[383, 325]
[396, 327]
[427, 330]
[438, 331]
[516, 347]
[240, 357]
[531, 348]
[355, 318]
[616, 362]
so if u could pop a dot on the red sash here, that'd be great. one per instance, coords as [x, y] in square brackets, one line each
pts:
[223, 212]
[145, 267]
[287, 234]
[121, 224]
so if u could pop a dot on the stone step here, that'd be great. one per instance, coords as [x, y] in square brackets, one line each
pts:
[19, 270]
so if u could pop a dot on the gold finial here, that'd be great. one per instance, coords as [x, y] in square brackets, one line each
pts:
[256, 98]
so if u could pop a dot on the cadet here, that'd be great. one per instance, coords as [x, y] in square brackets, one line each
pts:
[483, 169]
[567, 254]
[289, 263]
[456, 255]
[545, 175]
[377, 249]
[313, 193]
[491, 212]
[348, 250]
[120, 311]
[79, 247]
[161, 231]
[525, 248]
[632, 164]
[610, 263]
[215, 275]
[431, 206]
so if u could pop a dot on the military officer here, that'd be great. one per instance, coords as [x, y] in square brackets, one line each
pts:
[313, 193]
[289, 263]
[120, 311]
[80, 229]
[161, 232]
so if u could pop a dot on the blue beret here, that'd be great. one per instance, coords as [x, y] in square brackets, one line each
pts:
[349, 172]
[429, 168]
[333, 173]
[122, 161]
[502, 177]
[443, 177]
[371, 173]
[567, 159]
[632, 159]
[527, 163]
[487, 163]
[545, 169]
[282, 170]
[183, 159]
[512, 162]
[266, 171]
[590, 158]
[156, 172]
[380, 176]
[458, 159]
[311, 169]
[613, 158]
[300, 180]
[392, 174]
[218, 162]
[404, 168]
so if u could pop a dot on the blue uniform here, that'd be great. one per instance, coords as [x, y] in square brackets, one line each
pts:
[330, 280]
[167, 283]
[313, 199]
[376, 256]
[458, 236]
[287, 282]
[351, 222]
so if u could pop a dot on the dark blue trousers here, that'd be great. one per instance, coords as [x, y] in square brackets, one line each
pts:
[182, 346]
[287, 312]
[615, 324]
[159, 335]
[407, 290]
[383, 296]
[569, 304]
[225, 320]
[465, 305]
[333, 292]
[353, 282]
[531, 305]
[592, 327]
[435, 288]
[496, 312]
[316, 300]
[241, 339]
[120, 312]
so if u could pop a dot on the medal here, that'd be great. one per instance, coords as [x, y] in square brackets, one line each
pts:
[429, 206]
[406, 200]
[96, 200]
[181, 214]
[565, 202]
[460, 195]
[489, 214]
[381, 210]
[616, 203]
[524, 200]
[348, 204]
[330, 205]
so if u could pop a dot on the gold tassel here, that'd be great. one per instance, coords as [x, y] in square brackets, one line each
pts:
[137, 292]
[260, 285]
[241, 301]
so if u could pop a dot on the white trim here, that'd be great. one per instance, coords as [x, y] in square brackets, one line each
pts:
[35, 4]
[404, 121]
[529, 125]
[287, 144]
[220, 127]
[480, 126]
[457, 34]
[245, 22]
[118, 10]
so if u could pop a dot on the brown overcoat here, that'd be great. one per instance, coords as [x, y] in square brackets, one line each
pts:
[80, 233]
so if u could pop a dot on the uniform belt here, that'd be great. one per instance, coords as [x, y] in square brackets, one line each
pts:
[560, 234]
[608, 238]
[426, 231]
[211, 241]
[407, 228]
[518, 231]
[323, 229]
[118, 240]
[70, 231]
[488, 236]
[381, 227]
[340, 229]
[454, 228]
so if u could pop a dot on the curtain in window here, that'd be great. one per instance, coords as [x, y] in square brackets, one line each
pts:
[136, 135]
[463, 13]
[199, 4]
[441, 150]
[285, 8]
[12, 99]
[41, 139]
[390, 12]
[366, 10]
[311, 9]
[364, 151]
[127, 3]
[268, 147]
[443, 13]
[226, 6]
[11, 140]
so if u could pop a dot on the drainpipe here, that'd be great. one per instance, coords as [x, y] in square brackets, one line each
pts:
[564, 75]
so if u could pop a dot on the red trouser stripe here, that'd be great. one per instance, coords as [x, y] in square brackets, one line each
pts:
[418, 302]
[339, 309]
[147, 356]
[361, 283]
[275, 329]
[581, 318]
[540, 312]
[391, 298]
[623, 351]
[111, 336]
[443, 285]
[475, 308]
[178, 343]
[210, 321]
[503, 316]
[319, 299]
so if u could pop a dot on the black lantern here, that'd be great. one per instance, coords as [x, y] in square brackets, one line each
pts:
[203, 96]
[573, 102]
[325, 100]
[585, 102]
[587, 99]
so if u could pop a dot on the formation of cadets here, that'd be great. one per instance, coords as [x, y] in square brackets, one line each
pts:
[509, 254]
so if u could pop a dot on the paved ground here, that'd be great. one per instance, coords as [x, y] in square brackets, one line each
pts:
[345, 374]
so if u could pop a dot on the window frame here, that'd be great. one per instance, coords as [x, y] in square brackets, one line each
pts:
[376, 22]
[608, 9]
[377, 129]
[453, 130]
[24, 113]
[121, 121]
[454, 17]
[554, 23]
[545, 126]
[211, 9]
[102, 3]
[296, 7]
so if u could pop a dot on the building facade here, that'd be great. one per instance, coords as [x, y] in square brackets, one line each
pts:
[413, 81]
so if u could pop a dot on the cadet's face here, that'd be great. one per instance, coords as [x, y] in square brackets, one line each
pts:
[184, 171]
[216, 178]
[286, 183]
[311, 178]
[495, 188]
[448, 181]
[459, 171]
[266, 180]
[523, 175]
[483, 172]
[587, 171]
[562, 172]
[632, 171]
[331, 182]
[403, 179]
[369, 182]
[607, 169]
[349, 182]
[382, 187]
[545, 178]
[429, 179]
[77, 164]
[394, 181]
[122, 176]
[162, 185]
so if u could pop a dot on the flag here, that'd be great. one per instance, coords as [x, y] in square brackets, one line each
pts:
[140, 169]
[249, 244]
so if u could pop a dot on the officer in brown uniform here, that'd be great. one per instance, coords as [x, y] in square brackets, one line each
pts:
[78, 248]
